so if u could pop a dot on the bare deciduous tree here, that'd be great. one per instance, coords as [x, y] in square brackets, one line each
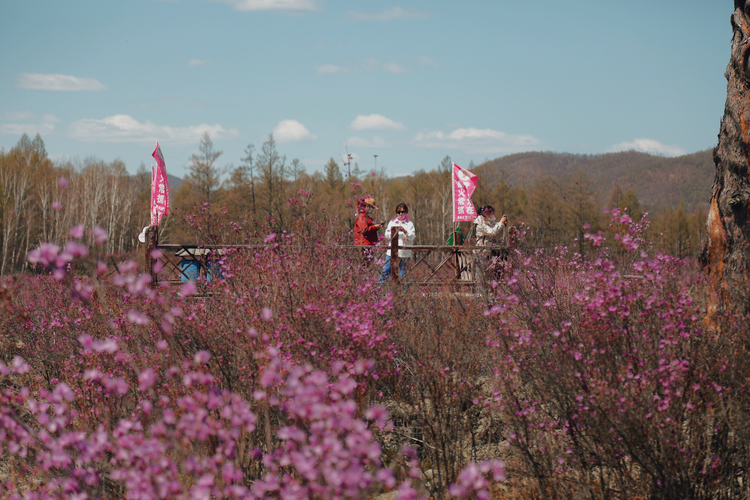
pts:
[272, 175]
[203, 173]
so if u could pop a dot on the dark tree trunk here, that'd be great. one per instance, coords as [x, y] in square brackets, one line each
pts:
[727, 254]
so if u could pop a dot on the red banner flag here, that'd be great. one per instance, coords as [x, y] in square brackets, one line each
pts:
[463, 183]
[159, 187]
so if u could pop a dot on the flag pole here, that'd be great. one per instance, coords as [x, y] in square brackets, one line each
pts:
[453, 231]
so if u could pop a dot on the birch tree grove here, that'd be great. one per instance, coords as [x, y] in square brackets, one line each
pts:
[20, 170]
[37, 206]
[15, 199]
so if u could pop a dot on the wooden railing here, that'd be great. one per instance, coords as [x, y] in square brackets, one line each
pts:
[431, 265]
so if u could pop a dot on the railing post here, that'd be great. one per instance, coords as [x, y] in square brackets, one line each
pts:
[395, 271]
[456, 262]
[152, 242]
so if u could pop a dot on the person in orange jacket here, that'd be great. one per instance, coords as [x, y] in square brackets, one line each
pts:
[365, 230]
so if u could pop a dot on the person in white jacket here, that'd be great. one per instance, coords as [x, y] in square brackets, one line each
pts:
[406, 234]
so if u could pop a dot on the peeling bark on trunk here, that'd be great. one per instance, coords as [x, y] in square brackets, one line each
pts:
[727, 254]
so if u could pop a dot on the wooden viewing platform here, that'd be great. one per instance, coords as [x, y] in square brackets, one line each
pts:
[432, 265]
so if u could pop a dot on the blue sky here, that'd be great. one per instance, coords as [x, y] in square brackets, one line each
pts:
[409, 81]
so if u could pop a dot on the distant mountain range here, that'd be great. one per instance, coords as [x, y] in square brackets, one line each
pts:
[174, 183]
[657, 181]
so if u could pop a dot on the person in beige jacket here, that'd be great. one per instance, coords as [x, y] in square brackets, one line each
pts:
[490, 233]
[488, 228]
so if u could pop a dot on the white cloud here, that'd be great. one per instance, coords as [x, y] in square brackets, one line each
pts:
[165, 102]
[314, 162]
[650, 146]
[16, 115]
[65, 83]
[287, 5]
[292, 131]
[392, 67]
[477, 141]
[124, 128]
[197, 62]
[375, 122]
[18, 123]
[373, 64]
[328, 69]
[426, 62]
[360, 142]
[387, 15]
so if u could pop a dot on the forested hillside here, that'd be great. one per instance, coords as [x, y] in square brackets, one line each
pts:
[555, 198]
[658, 181]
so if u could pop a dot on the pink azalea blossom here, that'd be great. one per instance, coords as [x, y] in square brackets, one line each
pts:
[188, 288]
[202, 357]
[44, 255]
[146, 379]
[266, 314]
[137, 317]
[77, 231]
[108, 345]
[100, 235]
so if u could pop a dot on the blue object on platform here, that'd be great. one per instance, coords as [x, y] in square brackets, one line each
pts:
[214, 270]
[192, 270]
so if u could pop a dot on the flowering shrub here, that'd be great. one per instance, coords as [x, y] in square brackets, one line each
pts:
[608, 382]
[113, 388]
[295, 376]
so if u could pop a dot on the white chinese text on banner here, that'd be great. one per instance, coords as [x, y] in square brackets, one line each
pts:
[463, 183]
[159, 187]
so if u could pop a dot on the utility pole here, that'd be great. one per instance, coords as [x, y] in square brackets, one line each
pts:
[376, 162]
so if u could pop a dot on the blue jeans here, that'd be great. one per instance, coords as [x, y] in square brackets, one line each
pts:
[402, 262]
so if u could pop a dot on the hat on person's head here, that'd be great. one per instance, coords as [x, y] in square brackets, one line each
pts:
[371, 202]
